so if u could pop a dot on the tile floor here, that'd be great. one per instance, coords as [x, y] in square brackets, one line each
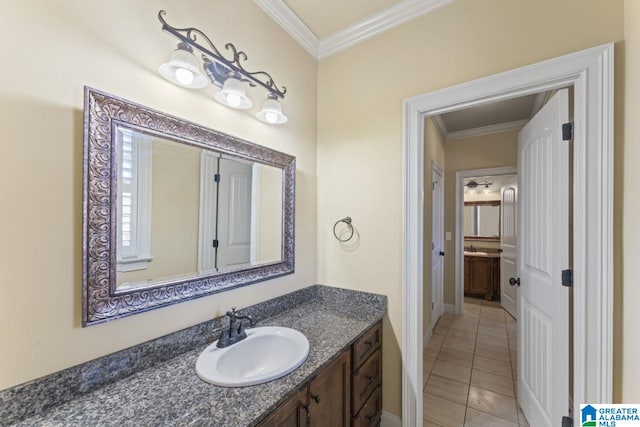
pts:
[470, 369]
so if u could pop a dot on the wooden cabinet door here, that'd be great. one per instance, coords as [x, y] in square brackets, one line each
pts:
[292, 413]
[467, 274]
[329, 394]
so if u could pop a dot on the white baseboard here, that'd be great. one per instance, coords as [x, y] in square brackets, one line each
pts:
[450, 308]
[425, 337]
[390, 420]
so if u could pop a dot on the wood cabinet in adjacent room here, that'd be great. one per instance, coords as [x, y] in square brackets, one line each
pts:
[482, 276]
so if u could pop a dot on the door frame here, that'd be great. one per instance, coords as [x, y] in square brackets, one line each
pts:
[591, 73]
[459, 226]
[438, 170]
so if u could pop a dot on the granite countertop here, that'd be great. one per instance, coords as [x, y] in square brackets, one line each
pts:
[482, 254]
[170, 393]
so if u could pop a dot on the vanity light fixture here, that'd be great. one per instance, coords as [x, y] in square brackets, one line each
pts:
[271, 111]
[182, 68]
[228, 73]
[474, 184]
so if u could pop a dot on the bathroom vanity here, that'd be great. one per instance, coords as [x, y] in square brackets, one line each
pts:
[155, 383]
[350, 388]
[482, 274]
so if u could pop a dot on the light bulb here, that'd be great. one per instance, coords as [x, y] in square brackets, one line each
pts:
[233, 100]
[184, 76]
[271, 117]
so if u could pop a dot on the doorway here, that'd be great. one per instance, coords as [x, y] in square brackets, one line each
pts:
[593, 136]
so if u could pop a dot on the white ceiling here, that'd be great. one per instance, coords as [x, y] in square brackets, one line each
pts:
[490, 118]
[329, 26]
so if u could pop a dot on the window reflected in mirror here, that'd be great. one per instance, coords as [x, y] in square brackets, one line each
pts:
[184, 211]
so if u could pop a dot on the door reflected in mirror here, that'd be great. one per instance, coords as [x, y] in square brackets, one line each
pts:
[184, 211]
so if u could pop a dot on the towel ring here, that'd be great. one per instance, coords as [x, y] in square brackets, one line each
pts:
[346, 220]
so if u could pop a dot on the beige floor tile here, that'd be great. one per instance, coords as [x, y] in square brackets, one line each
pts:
[492, 352]
[444, 322]
[466, 324]
[447, 316]
[458, 343]
[493, 341]
[473, 301]
[443, 412]
[493, 403]
[456, 357]
[460, 333]
[425, 378]
[492, 382]
[490, 322]
[492, 366]
[427, 363]
[522, 420]
[513, 356]
[496, 331]
[440, 330]
[434, 343]
[448, 389]
[487, 303]
[428, 423]
[476, 418]
[430, 354]
[452, 371]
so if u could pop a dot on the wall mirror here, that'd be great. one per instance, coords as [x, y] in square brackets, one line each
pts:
[175, 211]
[482, 220]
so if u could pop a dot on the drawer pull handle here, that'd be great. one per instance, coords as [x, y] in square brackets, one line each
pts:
[316, 398]
[370, 377]
[369, 417]
[368, 343]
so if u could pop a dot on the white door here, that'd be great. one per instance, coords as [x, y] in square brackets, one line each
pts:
[508, 233]
[234, 214]
[437, 246]
[542, 254]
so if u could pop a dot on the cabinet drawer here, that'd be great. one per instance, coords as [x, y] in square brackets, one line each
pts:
[366, 345]
[370, 413]
[365, 380]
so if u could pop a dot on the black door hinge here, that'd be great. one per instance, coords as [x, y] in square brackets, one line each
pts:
[216, 177]
[215, 243]
[567, 422]
[567, 131]
[567, 278]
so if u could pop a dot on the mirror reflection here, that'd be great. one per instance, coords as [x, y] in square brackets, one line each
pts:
[482, 219]
[183, 211]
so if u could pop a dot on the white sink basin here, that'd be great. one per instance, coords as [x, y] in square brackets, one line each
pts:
[267, 353]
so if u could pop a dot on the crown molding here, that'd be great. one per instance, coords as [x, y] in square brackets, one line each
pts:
[486, 130]
[400, 13]
[289, 21]
[375, 24]
[440, 126]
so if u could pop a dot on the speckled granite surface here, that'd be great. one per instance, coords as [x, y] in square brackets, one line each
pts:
[167, 391]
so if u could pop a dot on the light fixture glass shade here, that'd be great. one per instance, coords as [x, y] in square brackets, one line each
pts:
[183, 69]
[233, 94]
[271, 112]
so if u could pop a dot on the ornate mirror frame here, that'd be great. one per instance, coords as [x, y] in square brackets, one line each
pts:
[101, 301]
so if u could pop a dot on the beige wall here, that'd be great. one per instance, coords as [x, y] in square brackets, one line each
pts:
[360, 123]
[628, 298]
[479, 152]
[433, 152]
[175, 203]
[117, 46]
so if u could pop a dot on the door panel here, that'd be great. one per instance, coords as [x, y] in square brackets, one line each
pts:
[437, 259]
[508, 239]
[234, 225]
[542, 254]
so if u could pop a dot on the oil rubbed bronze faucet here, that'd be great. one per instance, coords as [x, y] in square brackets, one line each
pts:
[236, 330]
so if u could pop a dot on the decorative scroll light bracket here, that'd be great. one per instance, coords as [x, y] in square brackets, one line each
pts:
[224, 71]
